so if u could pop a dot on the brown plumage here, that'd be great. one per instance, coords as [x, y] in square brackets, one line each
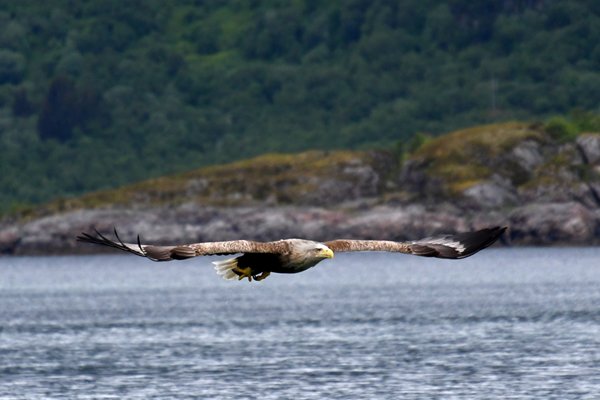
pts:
[259, 259]
[456, 246]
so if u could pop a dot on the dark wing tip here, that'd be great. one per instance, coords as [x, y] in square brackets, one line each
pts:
[479, 240]
[102, 240]
[457, 246]
[154, 253]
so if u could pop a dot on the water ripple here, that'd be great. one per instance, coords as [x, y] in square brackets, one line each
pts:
[505, 324]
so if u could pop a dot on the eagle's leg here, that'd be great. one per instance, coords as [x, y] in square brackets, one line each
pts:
[243, 273]
[262, 276]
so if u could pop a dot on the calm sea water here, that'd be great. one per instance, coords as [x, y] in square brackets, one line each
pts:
[504, 324]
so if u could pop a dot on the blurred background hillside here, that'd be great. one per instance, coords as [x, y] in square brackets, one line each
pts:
[96, 94]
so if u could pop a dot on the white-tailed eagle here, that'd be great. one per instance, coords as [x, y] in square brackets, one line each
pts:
[288, 256]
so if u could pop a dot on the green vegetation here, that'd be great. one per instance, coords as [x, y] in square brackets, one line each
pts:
[566, 129]
[97, 94]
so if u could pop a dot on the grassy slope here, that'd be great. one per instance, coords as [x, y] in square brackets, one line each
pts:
[274, 178]
[464, 158]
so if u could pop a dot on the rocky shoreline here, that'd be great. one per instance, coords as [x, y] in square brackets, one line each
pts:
[538, 224]
[546, 191]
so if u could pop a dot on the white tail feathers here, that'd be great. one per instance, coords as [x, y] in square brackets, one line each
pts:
[225, 269]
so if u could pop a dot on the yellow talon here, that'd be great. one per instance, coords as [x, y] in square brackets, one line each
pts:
[243, 273]
[262, 276]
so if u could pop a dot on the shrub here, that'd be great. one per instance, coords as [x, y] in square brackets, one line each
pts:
[561, 129]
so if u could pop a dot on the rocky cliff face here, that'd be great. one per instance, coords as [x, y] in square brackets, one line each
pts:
[545, 190]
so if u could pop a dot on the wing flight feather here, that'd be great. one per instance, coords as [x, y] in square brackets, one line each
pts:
[456, 246]
[183, 251]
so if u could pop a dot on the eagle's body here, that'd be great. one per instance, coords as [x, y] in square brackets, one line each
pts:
[296, 255]
[287, 256]
[299, 256]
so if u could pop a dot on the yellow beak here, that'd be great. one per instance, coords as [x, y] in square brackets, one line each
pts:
[327, 253]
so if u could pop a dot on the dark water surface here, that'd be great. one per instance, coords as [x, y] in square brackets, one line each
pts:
[504, 324]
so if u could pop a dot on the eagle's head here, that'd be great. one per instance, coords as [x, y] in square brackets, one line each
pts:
[307, 253]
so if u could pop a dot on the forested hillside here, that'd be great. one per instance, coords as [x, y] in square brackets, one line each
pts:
[95, 94]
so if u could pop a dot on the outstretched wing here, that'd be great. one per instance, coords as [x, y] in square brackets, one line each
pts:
[460, 245]
[183, 251]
